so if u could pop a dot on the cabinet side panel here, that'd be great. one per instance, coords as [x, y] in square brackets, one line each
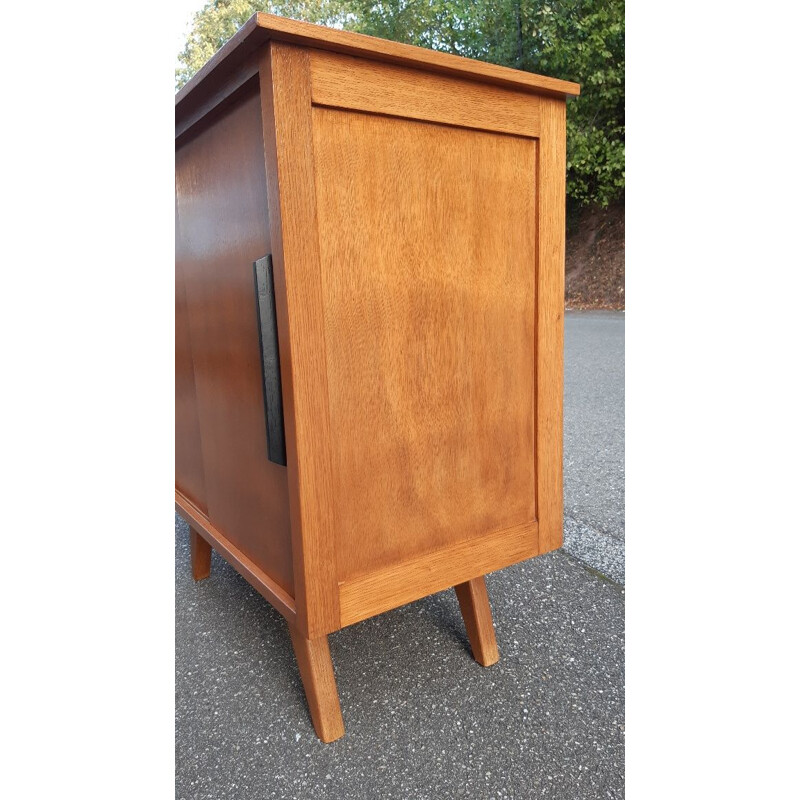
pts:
[224, 227]
[189, 478]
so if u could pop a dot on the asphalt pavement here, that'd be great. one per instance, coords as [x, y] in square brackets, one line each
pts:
[594, 439]
[422, 718]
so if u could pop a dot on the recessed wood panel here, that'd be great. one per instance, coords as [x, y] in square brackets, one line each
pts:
[223, 228]
[428, 254]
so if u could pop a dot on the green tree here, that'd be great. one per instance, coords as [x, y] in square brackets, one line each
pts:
[578, 40]
[584, 41]
[218, 20]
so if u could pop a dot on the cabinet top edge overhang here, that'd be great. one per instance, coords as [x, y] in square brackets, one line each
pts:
[262, 27]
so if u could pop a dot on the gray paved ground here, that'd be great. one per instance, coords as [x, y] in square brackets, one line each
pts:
[594, 439]
[423, 719]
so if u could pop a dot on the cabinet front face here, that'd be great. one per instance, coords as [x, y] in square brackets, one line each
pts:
[427, 236]
[222, 229]
[189, 475]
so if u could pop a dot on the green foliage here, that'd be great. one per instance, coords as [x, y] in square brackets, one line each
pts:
[578, 40]
[212, 26]
[584, 41]
[218, 20]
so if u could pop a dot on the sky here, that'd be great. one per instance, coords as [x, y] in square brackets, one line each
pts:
[180, 13]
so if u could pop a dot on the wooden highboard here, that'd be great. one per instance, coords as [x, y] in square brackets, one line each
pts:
[368, 327]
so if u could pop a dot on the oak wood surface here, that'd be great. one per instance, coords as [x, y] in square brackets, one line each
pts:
[200, 551]
[428, 251]
[222, 229]
[316, 671]
[356, 83]
[285, 78]
[403, 582]
[245, 566]
[550, 324]
[477, 613]
[225, 66]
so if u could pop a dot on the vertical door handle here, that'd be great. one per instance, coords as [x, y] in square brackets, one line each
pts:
[270, 359]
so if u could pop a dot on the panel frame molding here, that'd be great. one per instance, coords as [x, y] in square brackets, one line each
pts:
[284, 75]
[358, 84]
[363, 597]
[550, 265]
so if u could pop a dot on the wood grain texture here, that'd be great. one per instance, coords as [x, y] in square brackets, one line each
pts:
[200, 551]
[316, 671]
[223, 228]
[380, 590]
[550, 325]
[477, 613]
[428, 250]
[245, 566]
[288, 142]
[355, 83]
[189, 474]
[225, 65]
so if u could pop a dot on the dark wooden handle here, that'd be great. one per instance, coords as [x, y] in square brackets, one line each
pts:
[270, 359]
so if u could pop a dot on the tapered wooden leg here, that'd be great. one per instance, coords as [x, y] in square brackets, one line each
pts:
[316, 671]
[201, 555]
[474, 601]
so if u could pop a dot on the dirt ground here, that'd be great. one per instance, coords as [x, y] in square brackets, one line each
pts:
[596, 258]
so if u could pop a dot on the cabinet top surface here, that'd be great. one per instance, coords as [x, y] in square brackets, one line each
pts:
[263, 27]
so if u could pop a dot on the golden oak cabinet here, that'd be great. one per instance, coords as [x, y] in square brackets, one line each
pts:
[369, 327]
